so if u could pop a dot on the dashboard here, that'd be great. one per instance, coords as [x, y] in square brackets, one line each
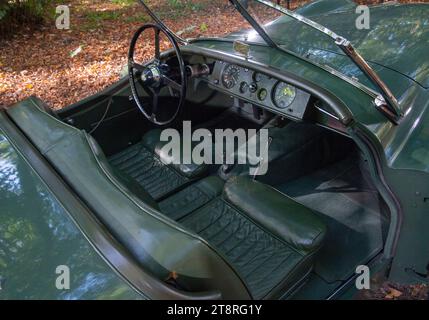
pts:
[260, 89]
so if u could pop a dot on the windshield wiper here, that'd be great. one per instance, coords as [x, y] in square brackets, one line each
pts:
[386, 102]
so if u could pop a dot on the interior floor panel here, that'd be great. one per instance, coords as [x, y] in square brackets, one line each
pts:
[350, 207]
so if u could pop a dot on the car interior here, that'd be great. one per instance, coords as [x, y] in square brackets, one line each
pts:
[305, 224]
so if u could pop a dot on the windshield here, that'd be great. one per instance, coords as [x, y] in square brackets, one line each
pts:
[219, 18]
[198, 18]
[261, 21]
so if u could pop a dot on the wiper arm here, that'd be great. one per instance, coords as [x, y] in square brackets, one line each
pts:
[242, 10]
[386, 102]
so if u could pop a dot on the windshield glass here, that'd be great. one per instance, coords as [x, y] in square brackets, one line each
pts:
[297, 37]
[198, 18]
[219, 18]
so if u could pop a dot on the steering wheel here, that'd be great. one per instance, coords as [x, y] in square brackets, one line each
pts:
[155, 75]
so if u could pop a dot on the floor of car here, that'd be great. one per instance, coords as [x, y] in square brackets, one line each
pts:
[351, 208]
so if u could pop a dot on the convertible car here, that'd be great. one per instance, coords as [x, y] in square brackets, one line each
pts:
[346, 195]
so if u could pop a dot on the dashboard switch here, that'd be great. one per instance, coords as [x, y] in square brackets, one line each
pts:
[253, 87]
[244, 87]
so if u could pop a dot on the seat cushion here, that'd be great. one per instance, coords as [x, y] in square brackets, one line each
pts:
[145, 163]
[148, 170]
[125, 181]
[152, 141]
[277, 213]
[267, 237]
[192, 197]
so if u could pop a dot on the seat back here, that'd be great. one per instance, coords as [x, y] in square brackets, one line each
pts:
[160, 245]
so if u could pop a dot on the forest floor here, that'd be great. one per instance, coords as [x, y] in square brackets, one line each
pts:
[64, 66]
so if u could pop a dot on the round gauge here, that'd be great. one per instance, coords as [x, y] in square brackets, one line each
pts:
[230, 76]
[284, 95]
[262, 94]
[258, 77]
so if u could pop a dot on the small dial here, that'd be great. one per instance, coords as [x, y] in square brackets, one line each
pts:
[230, 76]
[284, 95]
[258, 77]
[262, 94]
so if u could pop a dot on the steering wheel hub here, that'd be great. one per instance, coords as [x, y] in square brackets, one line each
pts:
[151, 76]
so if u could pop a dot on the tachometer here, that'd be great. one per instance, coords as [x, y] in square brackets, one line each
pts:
[284, 94]
[230, 76]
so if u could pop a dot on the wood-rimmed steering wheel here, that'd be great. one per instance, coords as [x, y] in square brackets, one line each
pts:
[155, 75]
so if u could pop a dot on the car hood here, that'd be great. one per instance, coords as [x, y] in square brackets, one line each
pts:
[398, 38]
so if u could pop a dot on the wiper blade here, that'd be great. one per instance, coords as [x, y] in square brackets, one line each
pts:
[386, 102]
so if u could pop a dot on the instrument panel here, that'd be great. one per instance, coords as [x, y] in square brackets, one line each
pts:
[260, 89]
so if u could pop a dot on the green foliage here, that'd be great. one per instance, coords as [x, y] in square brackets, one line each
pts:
[124, 3]
[139, 17]
[19, 12]
[95, 18]
[175, 3]
[174, 9]
[204, 27]
[99, 16]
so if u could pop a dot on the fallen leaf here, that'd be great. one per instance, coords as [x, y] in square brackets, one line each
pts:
[75, 52]
[393, 294]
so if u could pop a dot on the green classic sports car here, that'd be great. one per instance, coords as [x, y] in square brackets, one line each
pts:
[90, 208]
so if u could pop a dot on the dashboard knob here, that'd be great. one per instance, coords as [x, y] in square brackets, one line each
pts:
[253, 87]
[244, 87]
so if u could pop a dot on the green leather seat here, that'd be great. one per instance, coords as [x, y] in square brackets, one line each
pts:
[245, 240]
[267, 237]
[145, 163]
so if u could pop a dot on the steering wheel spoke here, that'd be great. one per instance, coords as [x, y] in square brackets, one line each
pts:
[157, 45]
[171, 83]
[136, 66]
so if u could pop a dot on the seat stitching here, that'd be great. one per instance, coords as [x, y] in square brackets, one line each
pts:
[278, 266]
[231, 235]
[222, 228]
[261, 227]
[205, 228]
[260, 264]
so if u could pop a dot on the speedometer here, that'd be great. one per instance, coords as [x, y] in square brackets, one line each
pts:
[230, 76]
[284, 95]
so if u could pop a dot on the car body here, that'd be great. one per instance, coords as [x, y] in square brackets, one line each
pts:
[48, 205]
